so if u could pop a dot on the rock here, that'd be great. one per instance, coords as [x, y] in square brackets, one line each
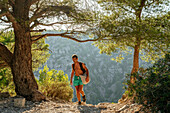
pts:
[104, 103]
[102, 107]
[3, 101]
[123, 108]
[19, 102]
[138, 108]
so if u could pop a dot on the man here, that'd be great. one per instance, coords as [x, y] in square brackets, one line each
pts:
[77, 80]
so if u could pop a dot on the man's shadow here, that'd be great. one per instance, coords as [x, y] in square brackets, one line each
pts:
[89, 109]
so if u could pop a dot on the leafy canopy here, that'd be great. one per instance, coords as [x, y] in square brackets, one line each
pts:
[126, 23]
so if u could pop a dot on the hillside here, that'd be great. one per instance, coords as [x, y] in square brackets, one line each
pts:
[106, 75]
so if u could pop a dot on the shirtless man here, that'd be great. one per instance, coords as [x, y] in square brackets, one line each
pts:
[77, 80]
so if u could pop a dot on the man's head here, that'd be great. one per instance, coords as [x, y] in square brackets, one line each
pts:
[75, 58]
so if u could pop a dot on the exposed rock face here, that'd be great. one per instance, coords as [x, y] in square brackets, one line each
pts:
[106, 75]
[7, 106]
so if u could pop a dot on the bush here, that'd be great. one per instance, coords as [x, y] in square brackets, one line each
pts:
[55, 84]
[152, 86]
[6, 82]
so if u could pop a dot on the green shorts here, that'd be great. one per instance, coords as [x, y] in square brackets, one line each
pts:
[77, 81]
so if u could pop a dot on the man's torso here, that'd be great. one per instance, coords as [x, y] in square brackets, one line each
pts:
[77, 69]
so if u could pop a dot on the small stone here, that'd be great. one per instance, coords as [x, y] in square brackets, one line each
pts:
[19, 102]
[137, 109]
[3, 101]
[123, 108]
[102, 106]
[72, 110]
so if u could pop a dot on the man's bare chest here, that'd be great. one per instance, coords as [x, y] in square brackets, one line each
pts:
[77, 66]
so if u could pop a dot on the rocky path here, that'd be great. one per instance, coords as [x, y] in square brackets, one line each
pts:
[7, 106]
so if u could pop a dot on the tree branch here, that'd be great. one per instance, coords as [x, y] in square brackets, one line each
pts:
[12, 19]
[5, 54]
[65, 9]
[2, 13]
[55, 23]
[149, 4]
[2, 65]
[38, 37]
[11, 2]
[124, 8]
[50, 24]
[40, 30]
[34, 1]
[139, 10]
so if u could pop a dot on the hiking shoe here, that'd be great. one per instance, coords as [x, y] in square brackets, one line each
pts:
[84, 98]
[79, 103]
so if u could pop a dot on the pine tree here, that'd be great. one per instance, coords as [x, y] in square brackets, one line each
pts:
[139, 25]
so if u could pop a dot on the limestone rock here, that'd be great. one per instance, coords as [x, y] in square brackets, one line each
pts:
[19, 102]
[123, 108]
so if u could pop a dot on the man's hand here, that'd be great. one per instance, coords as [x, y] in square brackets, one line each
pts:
[71, 82]
[87, 79]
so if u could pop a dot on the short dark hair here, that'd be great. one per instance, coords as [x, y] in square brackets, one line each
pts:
[74, 56]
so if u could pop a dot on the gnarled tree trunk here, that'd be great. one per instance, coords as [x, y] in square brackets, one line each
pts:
[23, 77]
[25, 84]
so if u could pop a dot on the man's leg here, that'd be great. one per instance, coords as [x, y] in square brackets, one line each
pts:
[81, 89]
[82, 92]
[78, 93]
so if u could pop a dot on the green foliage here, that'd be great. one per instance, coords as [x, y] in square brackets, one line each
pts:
[6, 82]
[40, 51]
[123, 28]
[40, 54]
[55, 84]
[151, 87]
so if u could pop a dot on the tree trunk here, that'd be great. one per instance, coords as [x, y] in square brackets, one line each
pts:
[135, 62]
[23, 77]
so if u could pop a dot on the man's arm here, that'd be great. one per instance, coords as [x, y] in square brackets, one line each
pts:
[72, 74]
[87, 72]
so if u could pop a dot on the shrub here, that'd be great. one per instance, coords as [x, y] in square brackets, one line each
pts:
[152, 86]
[55, 84]
[6, 82]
